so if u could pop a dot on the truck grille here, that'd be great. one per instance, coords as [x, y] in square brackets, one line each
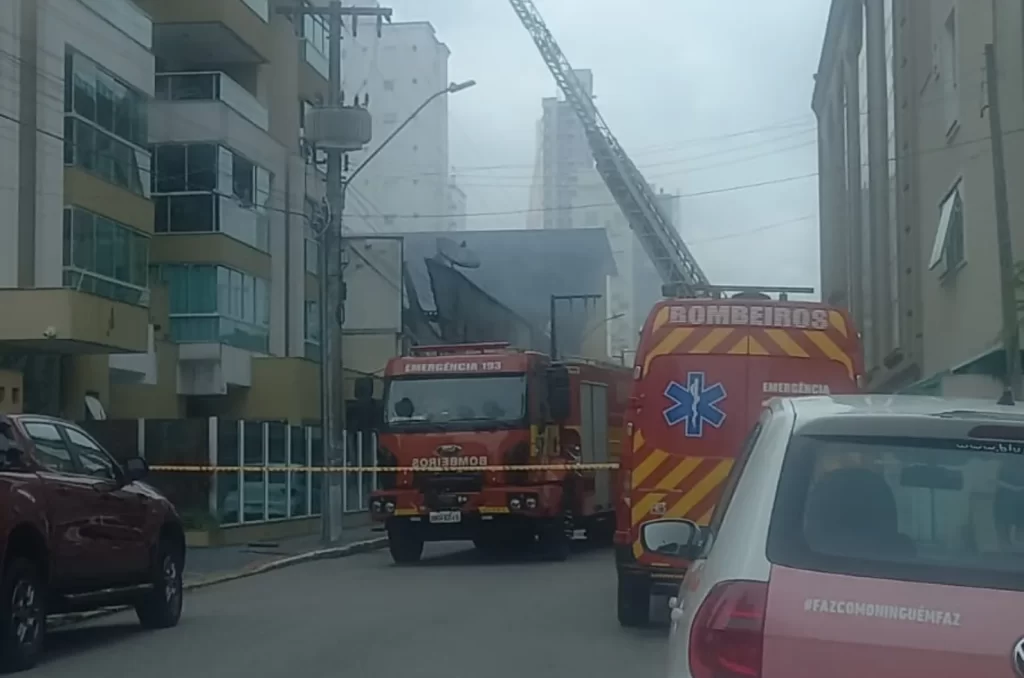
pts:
[441, 483]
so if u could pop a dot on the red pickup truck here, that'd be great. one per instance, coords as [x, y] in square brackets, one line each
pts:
[78, 531]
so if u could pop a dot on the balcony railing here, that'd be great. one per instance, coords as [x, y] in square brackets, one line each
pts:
[212, 86]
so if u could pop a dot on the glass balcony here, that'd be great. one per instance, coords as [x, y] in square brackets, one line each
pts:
[316, 45]
[206, 212]
[212, 86]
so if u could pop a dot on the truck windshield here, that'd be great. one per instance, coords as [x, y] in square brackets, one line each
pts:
[455, 400]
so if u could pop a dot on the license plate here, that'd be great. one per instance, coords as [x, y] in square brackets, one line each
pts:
[446, 517]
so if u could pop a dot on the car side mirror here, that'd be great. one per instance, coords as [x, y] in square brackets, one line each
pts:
[672, 537]
[135, 468]
[12, 456]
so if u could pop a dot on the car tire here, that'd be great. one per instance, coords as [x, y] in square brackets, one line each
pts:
[634, 601]
[22, 616]
[556, 539]
[160, 607]
[406, 548]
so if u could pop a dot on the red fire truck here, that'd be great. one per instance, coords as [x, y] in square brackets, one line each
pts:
[703, 370]
[457, 422]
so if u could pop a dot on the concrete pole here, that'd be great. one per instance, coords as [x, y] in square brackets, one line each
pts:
[1007, 277]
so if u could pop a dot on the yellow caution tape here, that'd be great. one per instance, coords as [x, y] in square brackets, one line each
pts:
[378, 469]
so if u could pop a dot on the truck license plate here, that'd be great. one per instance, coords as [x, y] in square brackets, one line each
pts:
[446, 517]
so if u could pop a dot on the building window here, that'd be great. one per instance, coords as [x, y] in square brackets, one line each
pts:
[104, 257]
[202, 188]
[105, 125]
[949, 71]
[315, 31]
[217, 304]
[948, 249]
[389, 85]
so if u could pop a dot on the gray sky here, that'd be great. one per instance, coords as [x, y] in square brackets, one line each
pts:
[706, 97]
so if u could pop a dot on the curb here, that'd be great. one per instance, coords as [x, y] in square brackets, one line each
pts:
[352, 549]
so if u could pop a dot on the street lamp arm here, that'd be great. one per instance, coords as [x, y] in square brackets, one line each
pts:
[450, 89]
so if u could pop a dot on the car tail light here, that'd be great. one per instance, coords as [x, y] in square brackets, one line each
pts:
[728, 631]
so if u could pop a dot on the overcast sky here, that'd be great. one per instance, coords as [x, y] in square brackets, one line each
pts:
[710, 99]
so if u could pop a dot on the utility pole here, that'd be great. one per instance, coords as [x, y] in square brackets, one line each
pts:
[338, 129]
[1007, 277]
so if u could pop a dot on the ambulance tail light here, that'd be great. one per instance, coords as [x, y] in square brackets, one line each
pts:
[727, 635]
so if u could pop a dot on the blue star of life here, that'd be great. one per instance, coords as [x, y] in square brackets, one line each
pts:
[695, 403]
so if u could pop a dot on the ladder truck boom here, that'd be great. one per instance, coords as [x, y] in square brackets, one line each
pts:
[634, 196]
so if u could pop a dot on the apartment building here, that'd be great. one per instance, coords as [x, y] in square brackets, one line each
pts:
[161, 269]
[406, 187]
[74, 188]
[908, 238]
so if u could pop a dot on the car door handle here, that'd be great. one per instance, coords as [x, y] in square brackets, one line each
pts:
[63, 491]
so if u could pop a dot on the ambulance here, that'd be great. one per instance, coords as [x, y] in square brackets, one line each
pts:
[703, 369]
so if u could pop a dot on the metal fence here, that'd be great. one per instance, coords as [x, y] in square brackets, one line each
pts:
[241, 496]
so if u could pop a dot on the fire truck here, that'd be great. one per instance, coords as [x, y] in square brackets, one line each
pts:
[703, 370]
[463, 430]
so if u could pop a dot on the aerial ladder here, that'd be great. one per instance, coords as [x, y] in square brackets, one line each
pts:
[679, 271]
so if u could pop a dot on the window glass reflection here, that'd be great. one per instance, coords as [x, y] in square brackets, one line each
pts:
[105, 127]
[104, 257]
[217, 304]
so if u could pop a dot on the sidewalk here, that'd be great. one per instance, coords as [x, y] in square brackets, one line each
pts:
[203, 564]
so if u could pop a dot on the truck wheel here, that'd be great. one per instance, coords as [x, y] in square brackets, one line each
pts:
[634, 601]
[405, 547]
[556, 539]
[22, 616]
[160, 607]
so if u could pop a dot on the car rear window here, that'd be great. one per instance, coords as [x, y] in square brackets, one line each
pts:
[941, 511]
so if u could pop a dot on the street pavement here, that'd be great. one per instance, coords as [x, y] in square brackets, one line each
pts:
[452, 616]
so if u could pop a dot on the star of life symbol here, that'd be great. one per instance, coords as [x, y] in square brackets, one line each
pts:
[695, 403]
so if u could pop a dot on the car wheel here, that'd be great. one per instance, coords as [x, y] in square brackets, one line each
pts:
[160, 607]
[405, 546]
[634, 601]
[22, 616]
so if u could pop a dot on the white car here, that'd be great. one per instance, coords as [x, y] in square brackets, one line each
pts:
[859, 536]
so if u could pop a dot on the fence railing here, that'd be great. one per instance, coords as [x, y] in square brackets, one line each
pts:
[240, 482]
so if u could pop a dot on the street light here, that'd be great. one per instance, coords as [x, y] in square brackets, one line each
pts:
[332, 392]
[452, 88]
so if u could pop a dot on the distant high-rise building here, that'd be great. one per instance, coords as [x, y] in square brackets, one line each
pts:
[406, 187]
[568, 192]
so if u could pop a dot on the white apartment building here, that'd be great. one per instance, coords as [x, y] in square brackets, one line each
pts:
[406, 187]
[156, 264]
[906, 184]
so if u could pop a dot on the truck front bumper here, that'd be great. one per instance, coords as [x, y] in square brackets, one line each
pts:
[460, 515]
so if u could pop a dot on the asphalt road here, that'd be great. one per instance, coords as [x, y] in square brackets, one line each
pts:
[452, 616]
